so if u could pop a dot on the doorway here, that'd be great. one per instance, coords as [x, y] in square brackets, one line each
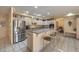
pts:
[60, 25]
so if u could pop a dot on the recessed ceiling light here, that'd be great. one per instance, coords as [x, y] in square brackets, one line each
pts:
[48, 13]
[36, 7]
[70, 14]
[27, 12]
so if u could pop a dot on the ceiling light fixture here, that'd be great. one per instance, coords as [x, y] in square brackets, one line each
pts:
[70, 14]
[36, 7]
[27, 12]
[48, 13]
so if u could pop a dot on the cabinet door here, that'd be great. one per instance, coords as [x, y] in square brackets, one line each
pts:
[37, 42]
[30, 41]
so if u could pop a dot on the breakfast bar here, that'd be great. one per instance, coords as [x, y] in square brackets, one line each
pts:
[35, 41]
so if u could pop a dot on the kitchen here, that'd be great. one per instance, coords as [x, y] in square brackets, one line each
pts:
[35, 27]
[28, 30]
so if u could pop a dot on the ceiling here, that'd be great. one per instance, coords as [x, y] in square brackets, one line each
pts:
[44, 10]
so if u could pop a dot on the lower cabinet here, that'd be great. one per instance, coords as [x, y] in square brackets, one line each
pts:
[35, 42]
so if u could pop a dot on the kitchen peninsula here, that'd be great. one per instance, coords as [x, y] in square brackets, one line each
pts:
[35, 41]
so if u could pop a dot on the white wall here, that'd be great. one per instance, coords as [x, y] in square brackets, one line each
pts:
[68, 28]
[3, 29]
[77, 23]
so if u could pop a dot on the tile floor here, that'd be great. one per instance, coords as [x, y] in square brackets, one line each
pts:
[5, 46]
[63, 44]
[59, 44]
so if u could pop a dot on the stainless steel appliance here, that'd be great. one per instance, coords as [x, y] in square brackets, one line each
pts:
[18, 31]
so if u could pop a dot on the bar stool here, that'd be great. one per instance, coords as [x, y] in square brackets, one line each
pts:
[53, 35]
[46, 40]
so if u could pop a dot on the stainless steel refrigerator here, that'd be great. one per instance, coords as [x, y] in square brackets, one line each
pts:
[19, 30]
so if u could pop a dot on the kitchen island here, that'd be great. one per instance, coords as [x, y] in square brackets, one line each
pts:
[35, 41]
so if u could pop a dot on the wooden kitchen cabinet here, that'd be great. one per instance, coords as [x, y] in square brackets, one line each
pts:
[30, 41]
